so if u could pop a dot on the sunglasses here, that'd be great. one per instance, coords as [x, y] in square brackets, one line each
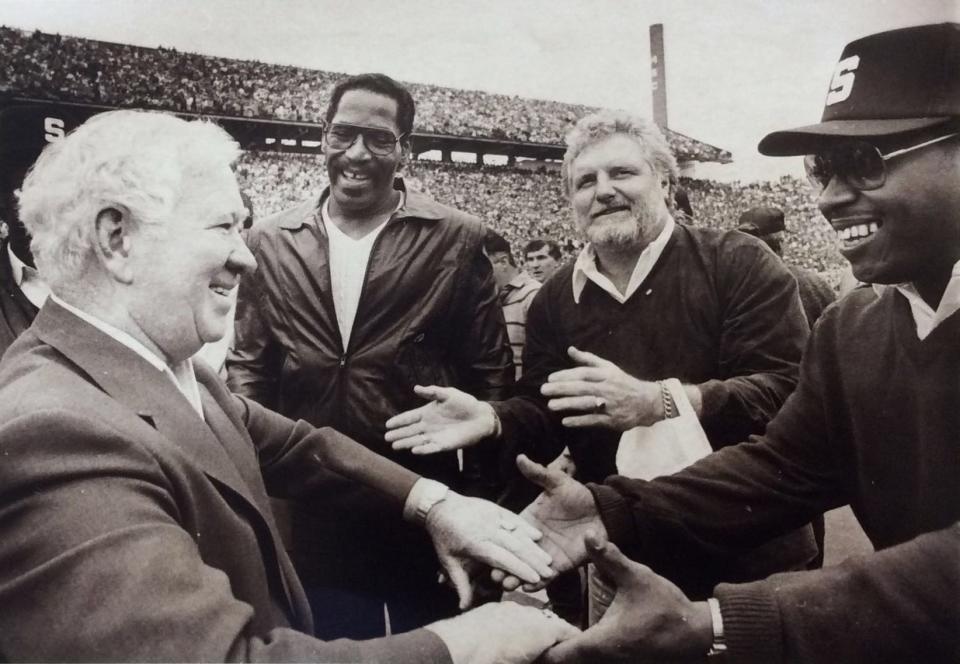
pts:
[859, 163]
[341, 136]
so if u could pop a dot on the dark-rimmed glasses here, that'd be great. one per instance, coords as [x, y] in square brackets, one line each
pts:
[859, 163]
[381, 142]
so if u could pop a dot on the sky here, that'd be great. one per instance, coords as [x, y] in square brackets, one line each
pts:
[735, 69]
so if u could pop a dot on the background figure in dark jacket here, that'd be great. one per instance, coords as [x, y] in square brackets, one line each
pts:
[362, 293]
[22, 291]
[767, 224]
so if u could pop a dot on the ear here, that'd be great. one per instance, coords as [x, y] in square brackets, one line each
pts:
[113, 243]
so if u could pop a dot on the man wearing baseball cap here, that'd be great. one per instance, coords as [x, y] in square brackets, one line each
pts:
[874, 422]
[767, 223]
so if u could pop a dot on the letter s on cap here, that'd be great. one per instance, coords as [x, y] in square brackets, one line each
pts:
[841, 85]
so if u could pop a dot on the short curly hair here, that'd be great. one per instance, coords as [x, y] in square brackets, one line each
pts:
[597, 126]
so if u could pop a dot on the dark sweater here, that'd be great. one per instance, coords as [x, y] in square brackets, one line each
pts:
[718, 310]
[875, 422]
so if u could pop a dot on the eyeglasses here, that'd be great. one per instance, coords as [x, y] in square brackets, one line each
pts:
[859, 163]
[341, 136]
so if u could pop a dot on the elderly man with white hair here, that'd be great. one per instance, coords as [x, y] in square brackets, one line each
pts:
[134, 518]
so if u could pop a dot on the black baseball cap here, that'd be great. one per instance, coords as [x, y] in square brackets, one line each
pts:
[760, 221]
[885, 84]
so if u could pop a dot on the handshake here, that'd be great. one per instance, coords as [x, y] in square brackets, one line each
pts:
[559, 531]
[474, 538]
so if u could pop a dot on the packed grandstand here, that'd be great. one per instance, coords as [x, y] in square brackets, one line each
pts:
[520, 203]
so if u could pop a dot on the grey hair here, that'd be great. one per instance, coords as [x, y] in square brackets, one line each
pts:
[599, 125]
[134, 161]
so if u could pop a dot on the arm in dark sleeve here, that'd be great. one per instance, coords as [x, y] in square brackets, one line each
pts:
[738, 497]
[97, 562]
[482, 348]
[254, 361]
[762, 336]
[529, 427]
[901, 604]
[297, 459]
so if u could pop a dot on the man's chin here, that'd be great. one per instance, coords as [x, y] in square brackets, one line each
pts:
[616, 237]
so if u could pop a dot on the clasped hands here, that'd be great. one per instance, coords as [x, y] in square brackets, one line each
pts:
[649, 618]
[596, 393]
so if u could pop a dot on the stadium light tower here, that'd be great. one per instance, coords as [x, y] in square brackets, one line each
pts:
[658, 75]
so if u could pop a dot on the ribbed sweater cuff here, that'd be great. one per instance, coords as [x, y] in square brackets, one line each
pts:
[614, 512]
[751, 622]
[714, 395]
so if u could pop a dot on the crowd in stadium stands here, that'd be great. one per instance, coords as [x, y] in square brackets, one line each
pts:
[523, 204]
[520, 204]
[55, 67]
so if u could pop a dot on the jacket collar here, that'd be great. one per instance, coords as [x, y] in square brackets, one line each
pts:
[216, 446]
[136, 384]
[415, 205]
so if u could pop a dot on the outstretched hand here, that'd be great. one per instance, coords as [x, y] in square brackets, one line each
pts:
[469, 530]
[650, 619]
[598, 393]
[453, 419]
[564, 512]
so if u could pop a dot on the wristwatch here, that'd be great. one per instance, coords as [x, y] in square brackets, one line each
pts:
[428, 494]
[718, 649]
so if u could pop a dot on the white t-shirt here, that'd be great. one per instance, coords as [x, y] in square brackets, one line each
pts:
[348, 267]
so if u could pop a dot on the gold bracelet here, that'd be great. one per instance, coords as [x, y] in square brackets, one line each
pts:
[669, 407]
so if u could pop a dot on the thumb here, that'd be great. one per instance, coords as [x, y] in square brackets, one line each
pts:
[543, 477]
[432, 392]
[587, 359]
[457, 574]
[579, 648]
[610, 561]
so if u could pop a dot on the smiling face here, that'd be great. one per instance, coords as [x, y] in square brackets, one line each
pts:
[185, 268]
[618, 198]
[908, 230]
[361, 183]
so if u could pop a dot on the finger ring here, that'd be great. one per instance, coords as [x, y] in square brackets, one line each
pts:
[599, 405]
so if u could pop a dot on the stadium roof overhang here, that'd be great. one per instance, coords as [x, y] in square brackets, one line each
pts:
[291, 136]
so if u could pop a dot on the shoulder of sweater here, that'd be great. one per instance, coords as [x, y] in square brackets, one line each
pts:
[860, 307]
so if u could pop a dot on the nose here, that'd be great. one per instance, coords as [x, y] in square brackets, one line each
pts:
[357, 149]
[241, 259]
[837, 194]
[604, 190]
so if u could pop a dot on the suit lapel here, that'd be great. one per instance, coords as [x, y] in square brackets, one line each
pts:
[219, 447]
[229, 430]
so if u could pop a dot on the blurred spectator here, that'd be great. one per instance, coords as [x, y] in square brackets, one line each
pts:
[517, 289]
[542, 258]
[54, 67]
[767, 224]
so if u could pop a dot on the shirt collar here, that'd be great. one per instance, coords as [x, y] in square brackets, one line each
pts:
[181, 373]
[17, 267]
[412, 204]
[114, 333]
[924, 317]
[585, 267]
[324, 215]
[519, 280]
